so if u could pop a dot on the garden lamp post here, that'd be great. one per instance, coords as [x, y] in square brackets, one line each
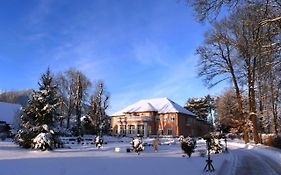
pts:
[209, 166]
[225, 141]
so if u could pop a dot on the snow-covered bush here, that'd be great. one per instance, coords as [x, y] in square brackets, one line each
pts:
[215, 146]
[187, 145]
[213, 142]
[98, 141]
[137, 145]
[42, 141]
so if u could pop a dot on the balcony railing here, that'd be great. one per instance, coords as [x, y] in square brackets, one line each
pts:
[132, 118]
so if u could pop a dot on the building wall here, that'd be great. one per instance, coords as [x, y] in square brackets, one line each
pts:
[174, 124]
[147, 119]
[168, 124]
[203, 127]
[187, 125]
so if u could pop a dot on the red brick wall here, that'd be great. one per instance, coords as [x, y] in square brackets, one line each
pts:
[178, 125]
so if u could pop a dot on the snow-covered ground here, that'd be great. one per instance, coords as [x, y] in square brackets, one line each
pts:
[88, 160]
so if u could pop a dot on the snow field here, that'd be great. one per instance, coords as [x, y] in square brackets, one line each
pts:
[86, 159]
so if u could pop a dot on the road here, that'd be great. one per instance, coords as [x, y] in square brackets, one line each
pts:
[250, 162]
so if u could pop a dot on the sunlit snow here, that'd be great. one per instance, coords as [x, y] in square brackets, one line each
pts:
[86, 159]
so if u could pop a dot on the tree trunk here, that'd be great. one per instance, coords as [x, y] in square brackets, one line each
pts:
[78, 104]
[261, 100]
[252, 100]
[240, 104]
[273, 100]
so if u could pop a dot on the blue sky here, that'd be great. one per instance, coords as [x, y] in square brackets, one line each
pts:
[140, 48]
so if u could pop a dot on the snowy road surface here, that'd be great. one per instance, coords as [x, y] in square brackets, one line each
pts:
[250, 163]
[254, 162]
[88, 160]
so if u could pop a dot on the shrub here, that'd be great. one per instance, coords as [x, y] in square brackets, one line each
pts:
[276, 142]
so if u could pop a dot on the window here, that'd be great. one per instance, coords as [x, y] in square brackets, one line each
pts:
[172, 118]
[140, 129]
[188, 121]
[165, 118]
[135, 114]
[131, 129]
[169, 131]
[122, 129]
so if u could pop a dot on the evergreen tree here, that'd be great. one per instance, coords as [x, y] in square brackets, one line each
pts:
[202, 107]
[37, 122]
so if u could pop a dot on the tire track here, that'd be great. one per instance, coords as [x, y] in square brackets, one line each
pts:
[253, 163]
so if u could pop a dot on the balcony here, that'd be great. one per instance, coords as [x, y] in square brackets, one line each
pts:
[133, 118]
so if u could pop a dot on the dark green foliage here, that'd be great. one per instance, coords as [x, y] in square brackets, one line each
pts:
[276, 142]
[188, 149]
[187, 145]
[202, 107]
[39, 115]
[24, 138]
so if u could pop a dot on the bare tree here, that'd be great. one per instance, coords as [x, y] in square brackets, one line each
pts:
[19, 97]
[73, 87]
[97, 110]
[268, 82]
[250, 38]
[240, 40]
[219, 62]
[209, 9]
[270, 11]
[228, 112]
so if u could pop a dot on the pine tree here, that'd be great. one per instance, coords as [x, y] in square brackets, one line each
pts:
[202, 107]
[37, 121]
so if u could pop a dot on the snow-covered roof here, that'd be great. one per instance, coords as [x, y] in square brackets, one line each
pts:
[160, 105]
[8, 111]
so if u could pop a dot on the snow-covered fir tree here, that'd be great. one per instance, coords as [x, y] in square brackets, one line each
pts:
[37, 128]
